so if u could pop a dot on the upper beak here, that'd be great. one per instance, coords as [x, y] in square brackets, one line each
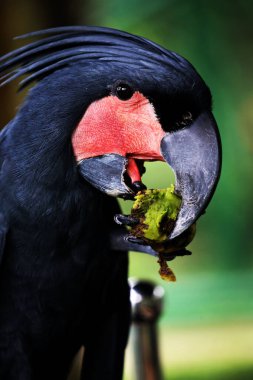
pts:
[194, 153]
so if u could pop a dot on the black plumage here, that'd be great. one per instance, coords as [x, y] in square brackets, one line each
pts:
[61, 285]
[69, 44]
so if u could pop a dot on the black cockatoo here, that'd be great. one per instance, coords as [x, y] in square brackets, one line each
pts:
[105, 101]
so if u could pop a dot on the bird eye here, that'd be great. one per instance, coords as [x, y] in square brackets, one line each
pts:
[123, 91]
[185, 120]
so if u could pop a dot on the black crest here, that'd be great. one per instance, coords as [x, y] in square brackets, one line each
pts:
[62, 46]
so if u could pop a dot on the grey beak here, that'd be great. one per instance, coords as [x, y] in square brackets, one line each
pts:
[106, 173]
[194, 153]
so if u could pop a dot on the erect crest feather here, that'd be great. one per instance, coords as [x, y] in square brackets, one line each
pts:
[64, 45]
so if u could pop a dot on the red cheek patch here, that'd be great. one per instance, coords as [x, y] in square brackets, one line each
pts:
[111, 125]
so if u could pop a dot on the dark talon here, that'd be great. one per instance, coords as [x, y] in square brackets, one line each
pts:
[133, 239]
[125, 220]
[171, 255]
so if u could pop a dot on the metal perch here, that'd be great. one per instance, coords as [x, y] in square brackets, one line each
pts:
[147, 302]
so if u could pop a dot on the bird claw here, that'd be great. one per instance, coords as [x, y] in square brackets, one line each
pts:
[135, 240]
[126, 220]
[180, 252]
[129, 221]
[123, 240]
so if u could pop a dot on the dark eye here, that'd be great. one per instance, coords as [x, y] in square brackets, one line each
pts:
[185, 119]
[123, 91]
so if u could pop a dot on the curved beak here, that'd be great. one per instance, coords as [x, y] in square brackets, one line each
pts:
[194, 153]
[106, 173]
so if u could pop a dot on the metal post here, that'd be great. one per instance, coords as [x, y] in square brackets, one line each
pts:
[147, 302]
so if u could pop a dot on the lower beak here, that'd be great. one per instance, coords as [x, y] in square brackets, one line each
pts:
[194, 153]
[106, 173]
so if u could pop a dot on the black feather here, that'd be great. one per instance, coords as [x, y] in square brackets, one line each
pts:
[3, 232]
[83, 43]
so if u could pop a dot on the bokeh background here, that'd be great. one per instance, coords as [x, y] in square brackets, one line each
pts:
[206, 331]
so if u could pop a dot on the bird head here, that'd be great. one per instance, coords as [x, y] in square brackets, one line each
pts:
[124, 100]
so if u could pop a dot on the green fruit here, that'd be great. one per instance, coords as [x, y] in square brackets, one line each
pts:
[157, 211]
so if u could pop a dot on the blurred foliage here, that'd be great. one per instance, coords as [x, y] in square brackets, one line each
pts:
[216, 37]
[221, 351]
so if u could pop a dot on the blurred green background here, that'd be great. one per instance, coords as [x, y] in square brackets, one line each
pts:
[207, 326]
